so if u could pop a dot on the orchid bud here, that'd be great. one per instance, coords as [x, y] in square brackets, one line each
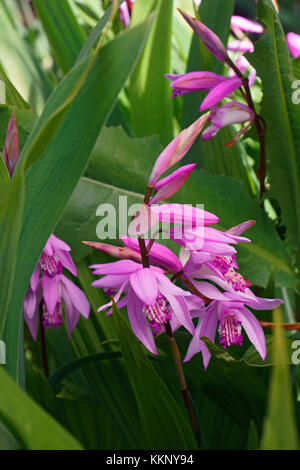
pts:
[169, 185]
[115, 251]
[210, 39]
[177, 149]
[11, 145]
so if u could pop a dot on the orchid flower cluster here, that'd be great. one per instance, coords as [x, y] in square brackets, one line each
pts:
[48, 285]
[216, 295]
[218, 86]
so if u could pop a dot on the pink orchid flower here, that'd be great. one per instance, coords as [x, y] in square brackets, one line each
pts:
[227, 114]
[232, 316]
[49, 286]
[151, 298]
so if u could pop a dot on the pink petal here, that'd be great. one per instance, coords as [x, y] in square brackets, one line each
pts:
[111, 281]
[138, 322]
[165, 285]
[77, 297]
[144, 285]
[34, 281]
[180, 310]
[72, 315]
[242, 46]
[59, 244]
[184, 214]
[195, 343]
[30, 304]
[66, 260]
[241, 228]
[220, 92]
[116, 268]
[246, 25]
[210, 291]
[169, 185]
[50, 291]
[293, 41]
[254, 331]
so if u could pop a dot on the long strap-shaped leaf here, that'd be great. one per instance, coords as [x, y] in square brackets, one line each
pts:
[51, 180]
[32, 427]
[149, 91]
[63, 30]
[274, 66]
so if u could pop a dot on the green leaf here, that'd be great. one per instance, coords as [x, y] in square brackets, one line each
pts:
[11, 212]
[95, 34]
[122, 158]
[51, 180]
[151, 107]
[13, 97]
[80, 221]
[57, 376]
[4, 175]
[21, 66]
[165, 424]
[234, 386]
[83, 418]
[280, 431]
[28, 423]
[272, 59]
[63, 31]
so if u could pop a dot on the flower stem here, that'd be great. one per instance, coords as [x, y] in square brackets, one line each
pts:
[182, 382]
[43, 343]
[260, 128]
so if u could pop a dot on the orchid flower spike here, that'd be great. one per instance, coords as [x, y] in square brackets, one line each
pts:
[209, 38]
[229, 113]
[48, 286]
[176, 149]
